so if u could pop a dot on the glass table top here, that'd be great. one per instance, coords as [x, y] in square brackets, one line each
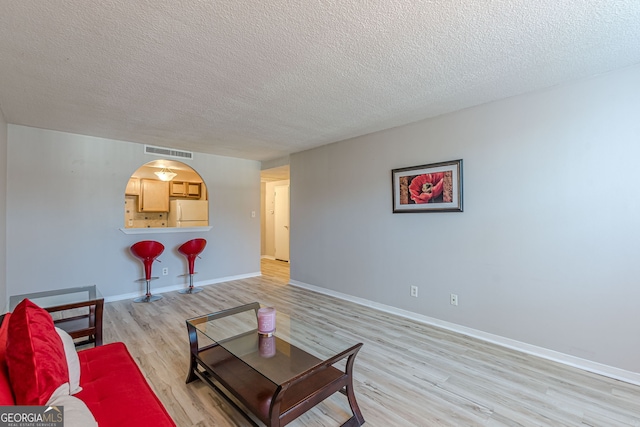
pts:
[53, 298]
[279, 358]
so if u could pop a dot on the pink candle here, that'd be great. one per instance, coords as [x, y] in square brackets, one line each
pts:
[266, 321]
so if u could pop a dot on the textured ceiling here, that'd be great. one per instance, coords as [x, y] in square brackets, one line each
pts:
[262, 79]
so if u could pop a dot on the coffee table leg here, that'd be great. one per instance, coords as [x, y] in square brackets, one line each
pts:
[193, 350]
[191, 376]
[357, 419]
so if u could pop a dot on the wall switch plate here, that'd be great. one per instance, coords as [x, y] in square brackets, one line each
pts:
[253, 214]
[414, 291]
[454, 299]
[165, 271]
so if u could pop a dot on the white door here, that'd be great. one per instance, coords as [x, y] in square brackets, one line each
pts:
[282, 222]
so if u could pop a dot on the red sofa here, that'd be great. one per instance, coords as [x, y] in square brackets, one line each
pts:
[113, 387]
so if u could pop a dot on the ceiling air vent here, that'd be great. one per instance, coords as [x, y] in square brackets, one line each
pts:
[167, 152]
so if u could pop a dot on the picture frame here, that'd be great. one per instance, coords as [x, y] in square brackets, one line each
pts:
[435, 187]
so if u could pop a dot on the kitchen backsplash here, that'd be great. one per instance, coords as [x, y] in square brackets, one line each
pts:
[135, 219]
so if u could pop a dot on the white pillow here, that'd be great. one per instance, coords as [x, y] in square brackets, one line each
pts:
[73, 363]
[76, 413]
[61, 391]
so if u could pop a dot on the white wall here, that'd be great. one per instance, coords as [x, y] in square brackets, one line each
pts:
[3, 212]
[547, 249]
[65, 210]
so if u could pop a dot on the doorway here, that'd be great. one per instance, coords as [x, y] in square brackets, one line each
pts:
[281, 221]
[275, 208]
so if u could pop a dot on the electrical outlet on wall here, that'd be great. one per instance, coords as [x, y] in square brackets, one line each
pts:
[414, 291]
[454, 299]
[165, 271]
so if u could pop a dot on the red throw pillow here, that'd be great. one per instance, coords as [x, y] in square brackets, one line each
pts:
[35, 355]
[6, 394]
[4, 330]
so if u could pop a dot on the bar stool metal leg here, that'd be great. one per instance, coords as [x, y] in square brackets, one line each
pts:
[191, 250]
[148, 297]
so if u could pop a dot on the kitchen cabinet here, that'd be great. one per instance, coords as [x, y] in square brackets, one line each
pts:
[133, 187]
[185, 189]
[154, 196]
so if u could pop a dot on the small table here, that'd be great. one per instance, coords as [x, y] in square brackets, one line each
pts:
[78, 326]
[265, 377]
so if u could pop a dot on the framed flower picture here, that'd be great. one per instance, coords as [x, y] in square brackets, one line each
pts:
[436, 187]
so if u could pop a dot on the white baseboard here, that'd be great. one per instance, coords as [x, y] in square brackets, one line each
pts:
[172, 288]
[576, 362]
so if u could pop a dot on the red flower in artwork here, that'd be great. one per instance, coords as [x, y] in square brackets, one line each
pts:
[425, 187]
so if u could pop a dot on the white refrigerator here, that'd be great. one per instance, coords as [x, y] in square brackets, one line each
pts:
[188, 213]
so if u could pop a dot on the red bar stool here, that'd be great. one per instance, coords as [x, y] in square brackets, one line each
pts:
[191, 250]
[147, 251]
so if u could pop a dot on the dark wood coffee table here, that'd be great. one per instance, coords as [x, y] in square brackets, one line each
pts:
[268, 379]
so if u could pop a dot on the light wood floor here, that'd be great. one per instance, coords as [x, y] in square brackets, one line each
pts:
[407, 373]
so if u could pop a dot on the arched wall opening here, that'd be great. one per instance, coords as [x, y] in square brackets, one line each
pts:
[173, 199]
